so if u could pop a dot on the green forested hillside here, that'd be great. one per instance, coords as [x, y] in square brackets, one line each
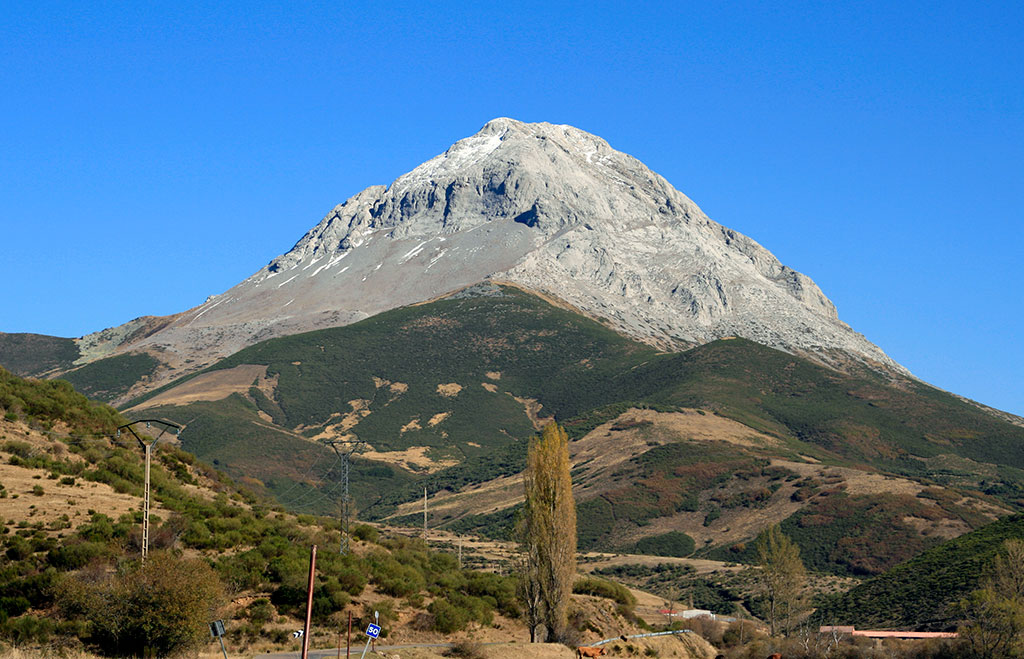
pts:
[922, 593]
[36, 354]
[893, 425]
[526, 345]
[109, 378]
[440, 393]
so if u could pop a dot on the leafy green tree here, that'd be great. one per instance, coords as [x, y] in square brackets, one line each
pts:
[782, 577]
[547, 534]
[994, 613]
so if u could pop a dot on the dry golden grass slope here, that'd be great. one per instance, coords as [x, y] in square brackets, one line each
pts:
[59, 505]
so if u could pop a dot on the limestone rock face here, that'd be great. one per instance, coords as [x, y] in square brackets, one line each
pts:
[548, 207]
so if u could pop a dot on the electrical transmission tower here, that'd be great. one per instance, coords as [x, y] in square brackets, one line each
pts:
[344, 448]
[147, 448]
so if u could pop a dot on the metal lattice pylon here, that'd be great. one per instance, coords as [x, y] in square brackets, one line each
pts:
[344, 449]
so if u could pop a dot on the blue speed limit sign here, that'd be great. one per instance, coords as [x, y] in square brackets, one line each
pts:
[373, 631]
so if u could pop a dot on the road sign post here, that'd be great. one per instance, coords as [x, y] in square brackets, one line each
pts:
[217, 631]
[372, 632]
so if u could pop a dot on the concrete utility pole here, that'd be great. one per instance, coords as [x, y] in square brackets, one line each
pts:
[147, 448]
[344, 449]
[424, 513]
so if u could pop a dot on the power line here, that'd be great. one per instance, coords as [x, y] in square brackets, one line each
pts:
[301, 479]
[295, 501]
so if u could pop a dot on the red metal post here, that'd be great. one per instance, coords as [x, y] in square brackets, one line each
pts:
[309, 603]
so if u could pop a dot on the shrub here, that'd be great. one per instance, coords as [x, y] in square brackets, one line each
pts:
[466, 649]
[604, 588]
[396, 579]
[673, 543]
[74, 555]
[326, 600]
[27, 629]
[289, 599]
[14, 606]
[386, 616]
[448, 618]
[160, 607]
[261, 611]
[501, 590]
[352, 580]
[18, 549]
[366, 533]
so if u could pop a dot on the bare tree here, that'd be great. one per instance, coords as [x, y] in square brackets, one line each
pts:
[548, 533]
[782, 576]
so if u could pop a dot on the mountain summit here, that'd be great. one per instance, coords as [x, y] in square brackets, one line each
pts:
[547, 207]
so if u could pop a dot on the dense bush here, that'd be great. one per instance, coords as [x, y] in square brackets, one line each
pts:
[366, 533]
[448, 618]
[75, 554]
[604, 588]
[49, 401]
[673, 543]
[161, 606]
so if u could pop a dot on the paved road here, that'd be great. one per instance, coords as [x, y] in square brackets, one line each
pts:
[356, 650]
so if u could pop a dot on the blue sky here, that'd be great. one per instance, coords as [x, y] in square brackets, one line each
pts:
[153, 154]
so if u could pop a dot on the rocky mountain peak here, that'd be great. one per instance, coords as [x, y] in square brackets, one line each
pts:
[551, 208]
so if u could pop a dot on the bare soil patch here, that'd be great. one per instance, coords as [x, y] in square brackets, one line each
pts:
[595, 560]
[394, 387]
[347, 421]
[532, 408]
[635, 431]
[58, 499]
[411, 459]
[450, 390]
[478, 499]
[438, 418]
[857, 481]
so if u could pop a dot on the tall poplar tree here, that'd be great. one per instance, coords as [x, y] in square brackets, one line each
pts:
[783, 577]
[548, 533]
